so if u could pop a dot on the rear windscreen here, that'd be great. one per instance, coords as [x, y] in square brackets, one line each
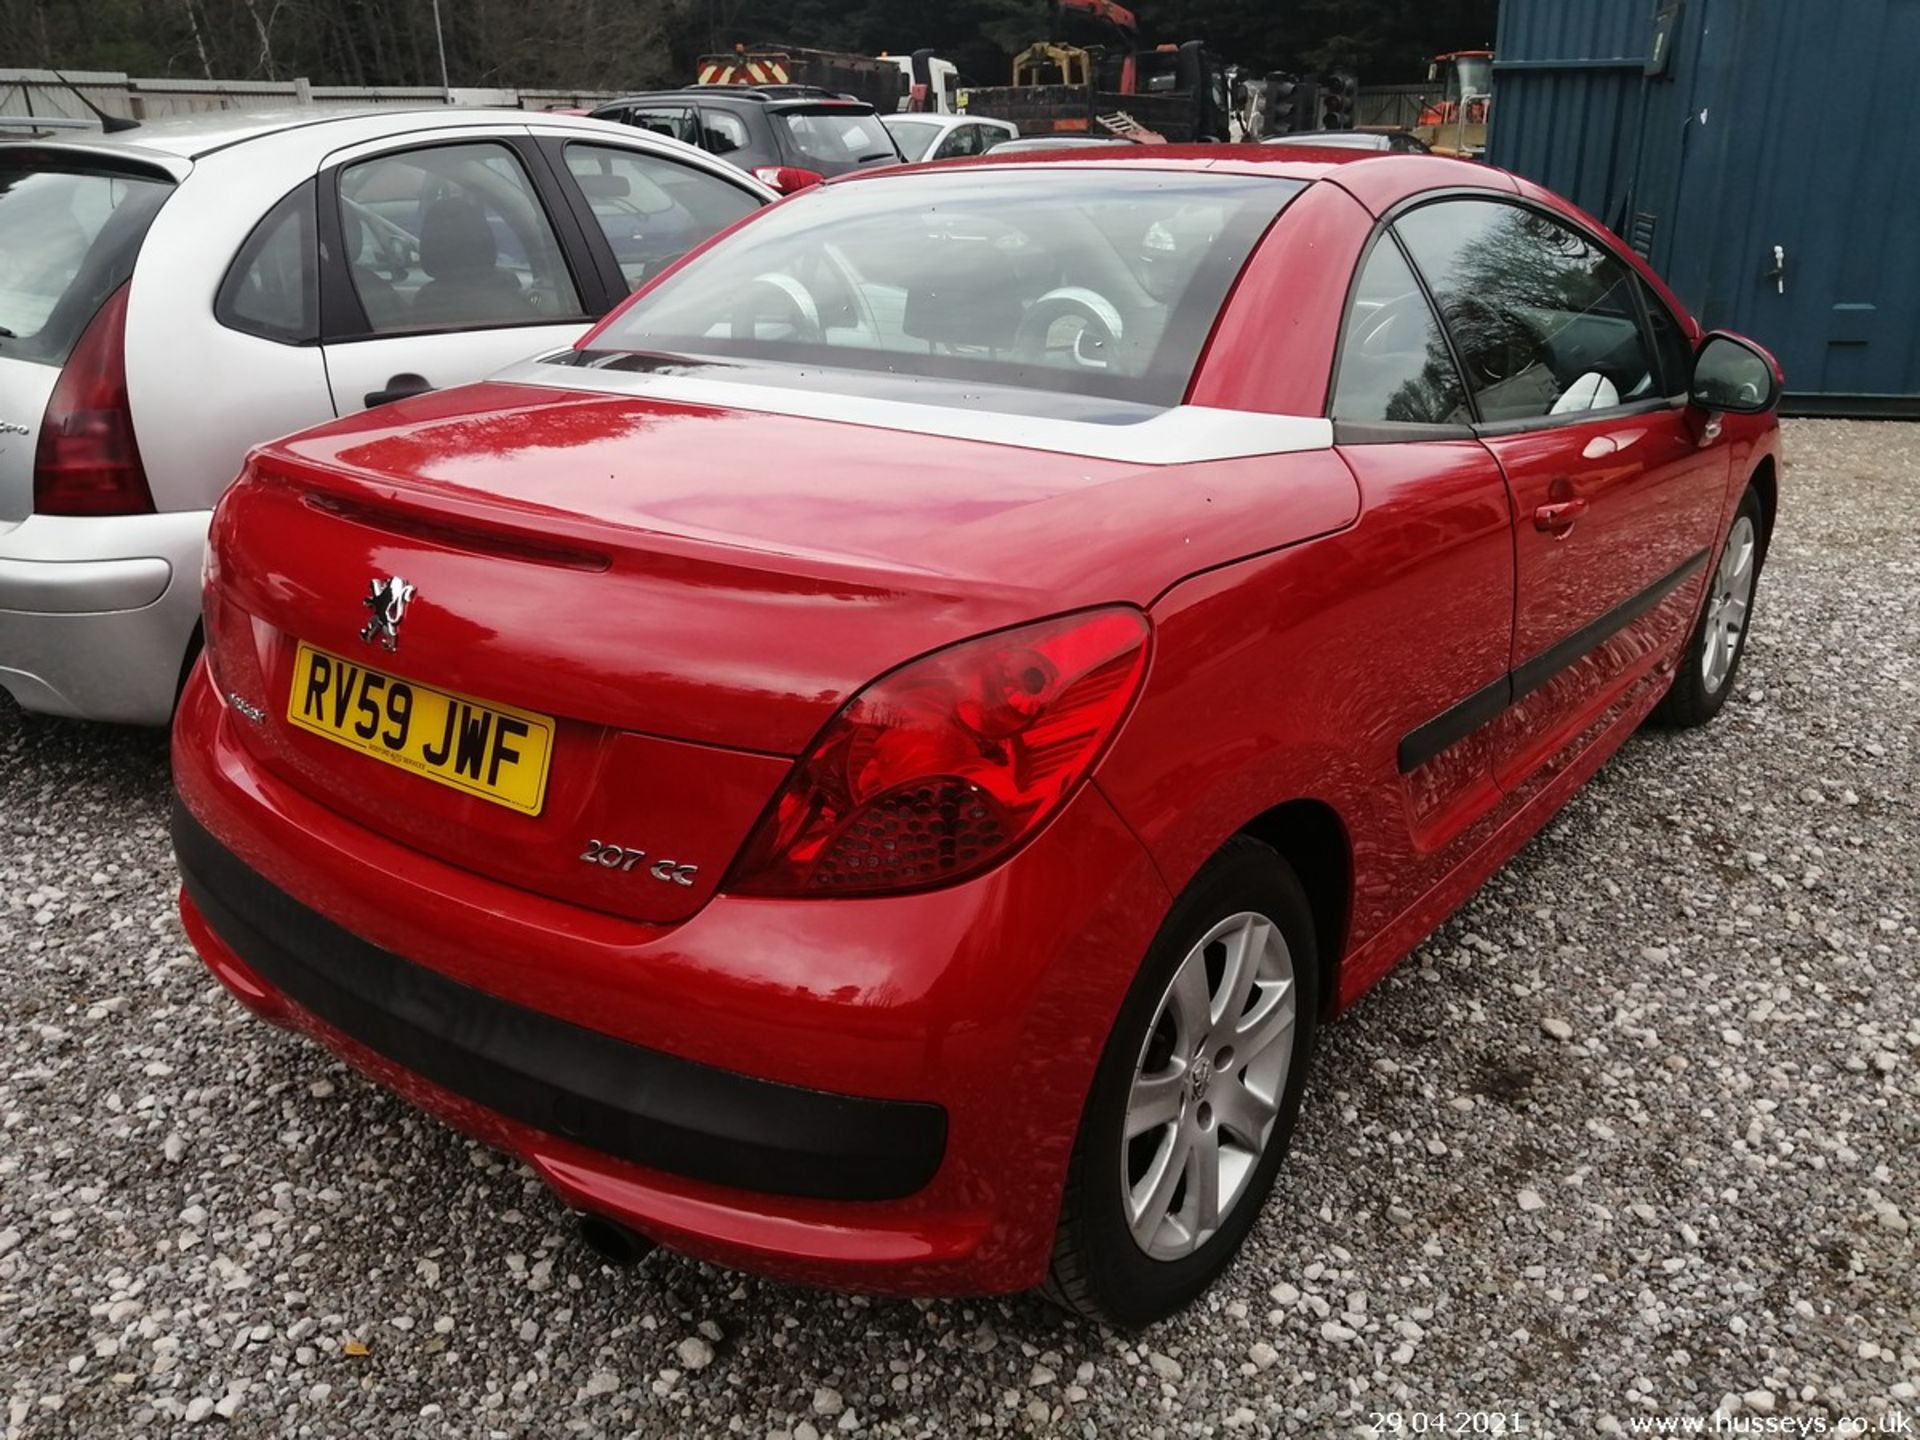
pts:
[838, 139]
[68, 238]
[1095, 281]
[915, 137]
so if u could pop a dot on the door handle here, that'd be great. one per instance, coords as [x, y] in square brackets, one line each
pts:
[1559, 516]
[1778, 274]
[399, 387]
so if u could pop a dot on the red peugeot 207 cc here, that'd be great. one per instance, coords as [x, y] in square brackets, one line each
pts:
[871, 767]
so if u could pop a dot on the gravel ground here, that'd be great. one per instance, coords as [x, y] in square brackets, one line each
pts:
[1635, 1135]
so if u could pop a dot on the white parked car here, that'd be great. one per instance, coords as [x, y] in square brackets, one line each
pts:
[173, 294]
[946, 137]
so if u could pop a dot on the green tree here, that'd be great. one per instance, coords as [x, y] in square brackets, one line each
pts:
[627, 44]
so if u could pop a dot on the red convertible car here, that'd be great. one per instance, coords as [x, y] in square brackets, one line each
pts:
[872, 767]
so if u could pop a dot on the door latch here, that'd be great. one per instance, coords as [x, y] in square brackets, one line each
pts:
[1557, 518]
[1778, 274]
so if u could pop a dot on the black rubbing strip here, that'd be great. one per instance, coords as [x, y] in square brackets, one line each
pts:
[1460, 720]
[1454, 724]
[1557, 657]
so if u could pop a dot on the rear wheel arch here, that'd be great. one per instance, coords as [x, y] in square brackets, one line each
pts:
[1311, 837]
[196, 642]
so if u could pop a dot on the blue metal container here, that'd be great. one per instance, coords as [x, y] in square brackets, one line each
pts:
[1761, 153]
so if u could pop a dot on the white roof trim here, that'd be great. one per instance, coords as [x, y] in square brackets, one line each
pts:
[1182, 435]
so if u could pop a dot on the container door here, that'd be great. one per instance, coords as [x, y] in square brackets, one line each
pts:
[1804, 186]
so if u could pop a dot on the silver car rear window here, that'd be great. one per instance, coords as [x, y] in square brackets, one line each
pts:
[68, 239]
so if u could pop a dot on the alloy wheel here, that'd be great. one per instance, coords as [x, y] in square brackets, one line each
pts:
[1208, 1084]
[1728, 604]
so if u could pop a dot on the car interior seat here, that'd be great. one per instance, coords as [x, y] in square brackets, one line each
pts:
[459, 252]
[386, 308]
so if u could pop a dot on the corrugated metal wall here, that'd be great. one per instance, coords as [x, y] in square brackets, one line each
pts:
[1567, 95]
[1567, 89]
[1780, 123]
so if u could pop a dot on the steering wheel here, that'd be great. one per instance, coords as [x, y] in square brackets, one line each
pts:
[1377, 326]
[1494, 346]
[788, 294]
[396, 247]
[1092, 343]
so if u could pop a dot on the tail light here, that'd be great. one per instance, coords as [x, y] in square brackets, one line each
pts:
[87, 462]
[787, 178]
[946, 766]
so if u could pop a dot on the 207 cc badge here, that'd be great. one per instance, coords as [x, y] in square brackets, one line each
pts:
[387, 599]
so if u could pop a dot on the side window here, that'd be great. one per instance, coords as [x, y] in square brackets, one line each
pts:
[721, 132]
[1545, 320]
[961, 140]
[652, 210]
[452, 237]
[1394, 364]
[676, 122]
[272, 289]
[1670, 343]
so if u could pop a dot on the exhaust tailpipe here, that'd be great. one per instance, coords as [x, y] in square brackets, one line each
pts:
[613, 1242]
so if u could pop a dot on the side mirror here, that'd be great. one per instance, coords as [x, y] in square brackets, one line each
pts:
[1734, 376]
[787, 178]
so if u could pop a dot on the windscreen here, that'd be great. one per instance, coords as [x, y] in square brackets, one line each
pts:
[68, 238]
[836, 139]
[1103, 282]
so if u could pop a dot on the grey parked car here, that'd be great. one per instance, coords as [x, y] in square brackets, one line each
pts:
[174, 294]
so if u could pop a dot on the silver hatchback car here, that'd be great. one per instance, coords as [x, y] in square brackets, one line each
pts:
[174, 294]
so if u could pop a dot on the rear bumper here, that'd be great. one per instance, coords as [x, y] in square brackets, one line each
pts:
[96, 612]
[845, 1039]
[608, 1094]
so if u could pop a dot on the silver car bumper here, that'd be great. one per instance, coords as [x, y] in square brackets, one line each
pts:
[96, 612]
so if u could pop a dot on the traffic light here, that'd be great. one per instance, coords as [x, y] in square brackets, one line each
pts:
[1289, 104]
[1339, 100]
[1293, 104]
[1306, 106]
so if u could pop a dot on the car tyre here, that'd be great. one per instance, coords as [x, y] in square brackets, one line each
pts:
[1099, 1268]
[1712, 658]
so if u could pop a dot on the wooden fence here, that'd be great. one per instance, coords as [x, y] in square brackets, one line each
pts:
[1395, 105]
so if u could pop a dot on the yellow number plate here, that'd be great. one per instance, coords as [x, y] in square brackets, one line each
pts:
[493, 751]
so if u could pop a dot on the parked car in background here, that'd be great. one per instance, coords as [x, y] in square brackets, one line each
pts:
[766, 129]
[1033, 144]
[1397, 141]
[946, 137]
[173, 294]
[921, 864]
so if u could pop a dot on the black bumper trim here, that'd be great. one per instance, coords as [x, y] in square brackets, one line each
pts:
[654, 1109]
